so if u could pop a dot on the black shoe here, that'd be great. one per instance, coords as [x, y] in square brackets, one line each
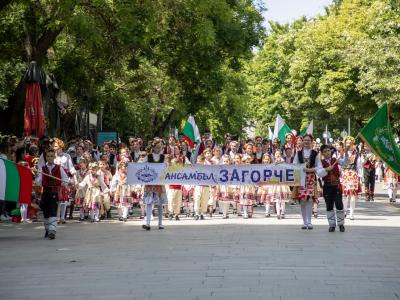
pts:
[147, 227]
[125, 219]
[109, 217]
[52, 235]
[141, 217]
[283, 216]
[177, 218]
[304, 227]
[201, 217]
[46, 234]
[81, 219]
[160, 227]
[331, 229]
[196, 217]
[120, 219]
[170, 217]
[341, 228]
[102, 217]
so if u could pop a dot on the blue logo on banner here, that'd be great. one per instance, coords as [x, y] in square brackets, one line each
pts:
[146, 174]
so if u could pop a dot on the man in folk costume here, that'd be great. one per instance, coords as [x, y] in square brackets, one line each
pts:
[368, 161]
[349, 178]
[331, 188]
[52, 178]
[154, 194]
[308, 194]
[134, 147]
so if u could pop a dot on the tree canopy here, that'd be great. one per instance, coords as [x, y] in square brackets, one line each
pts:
[152, 63]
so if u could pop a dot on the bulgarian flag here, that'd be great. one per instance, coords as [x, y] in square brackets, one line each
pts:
[191, 132]
[281, 129]
[15, 182]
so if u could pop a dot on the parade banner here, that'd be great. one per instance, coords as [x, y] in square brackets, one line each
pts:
[161, 173]
[377, 134]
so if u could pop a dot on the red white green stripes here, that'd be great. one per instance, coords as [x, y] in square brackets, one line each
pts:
[15, 182]
[191, 132]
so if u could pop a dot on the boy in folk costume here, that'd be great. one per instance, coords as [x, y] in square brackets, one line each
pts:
[349, 178]
[248, 192]
[154, 194]
[281, 193]
[225, 193]
[308, 194]
[266, 191]
[174, 191]
[81, 192]
[105, 205]
[122, 191]
[331, 188]
[94, 192]
[52, 177]
[64, 160]
[392, 183]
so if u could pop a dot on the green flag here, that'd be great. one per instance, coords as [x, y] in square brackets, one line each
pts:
[377, 134]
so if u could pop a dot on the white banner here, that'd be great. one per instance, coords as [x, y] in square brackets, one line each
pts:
[161, 174]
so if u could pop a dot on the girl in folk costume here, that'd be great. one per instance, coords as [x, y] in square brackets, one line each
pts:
[138, 189]
[154, 194]
[258, 156]
[174, 192]
[248, 192]
[225, 194]
[392, 183]
[266, 191]
[105, 208]
[212, 200]
[64, 160]
[236, 190]
[81, 191]
[350, 175]
[201, 195]
[281, 193]
[122, 191]
[308, 194]
[94, 192]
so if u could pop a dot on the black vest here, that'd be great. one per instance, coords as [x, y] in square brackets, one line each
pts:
[313, 156]
[150, 158]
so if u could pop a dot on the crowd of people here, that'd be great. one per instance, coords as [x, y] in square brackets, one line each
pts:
[75, 176]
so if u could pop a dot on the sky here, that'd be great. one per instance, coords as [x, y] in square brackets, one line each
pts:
[284, 11]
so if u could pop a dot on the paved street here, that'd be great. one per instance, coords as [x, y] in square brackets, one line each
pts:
[257, 258]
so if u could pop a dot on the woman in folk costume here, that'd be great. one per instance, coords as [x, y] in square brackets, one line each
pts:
[154, 195]
[236, 189]
[201, 195]
[351, 186]
[138, 189]
[122, 191]
[225, 193]
[94, 192]
[309, 193]
[105, 208]
[64, 160]
[81, 191]
[248, 193]
[258, 156]
[266, 191]
[392, 184]
[174, 191]
[281, 193]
